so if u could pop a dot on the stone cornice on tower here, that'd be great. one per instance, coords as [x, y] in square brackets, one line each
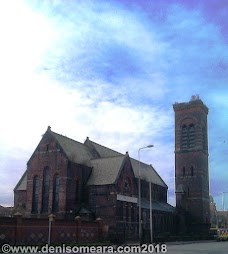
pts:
[194, 102]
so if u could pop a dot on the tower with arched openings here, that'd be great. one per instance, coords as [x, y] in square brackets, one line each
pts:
[191, 165]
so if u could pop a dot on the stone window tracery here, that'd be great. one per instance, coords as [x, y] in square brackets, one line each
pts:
[188, 136]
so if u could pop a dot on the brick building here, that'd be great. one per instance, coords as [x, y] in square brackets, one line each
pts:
[69, 179]
[191, 166]
[5, 211]
[213, 213]
[219, 219]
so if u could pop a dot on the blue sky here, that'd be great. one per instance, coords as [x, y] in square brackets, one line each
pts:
[111, 70]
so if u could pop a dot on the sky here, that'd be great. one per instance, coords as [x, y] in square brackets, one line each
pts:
[111, 70]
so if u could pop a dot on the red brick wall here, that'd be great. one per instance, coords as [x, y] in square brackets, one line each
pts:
[57, 161]
[35, 231]
[76, 180]
[102, 199]
[105, 205]
[7, 230]
[127, 174]
[159, 193]
[195, 201]
[49, 154]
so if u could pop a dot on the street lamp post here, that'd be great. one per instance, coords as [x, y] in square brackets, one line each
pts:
[139, 187]
[151, 225]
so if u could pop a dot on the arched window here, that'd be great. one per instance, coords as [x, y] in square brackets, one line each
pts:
[183, 171]
[35, 194]
[188, 136]
[191, 136]
[55, 201]
[127, 185]
[46, 185]
[184, 137]
[192, 171]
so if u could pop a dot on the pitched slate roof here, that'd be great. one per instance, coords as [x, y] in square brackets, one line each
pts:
[148, 173]
[105, 170]
[75, 151]
[105, 161]
[103, 151]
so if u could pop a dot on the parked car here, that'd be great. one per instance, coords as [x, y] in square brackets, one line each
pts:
[222, 235]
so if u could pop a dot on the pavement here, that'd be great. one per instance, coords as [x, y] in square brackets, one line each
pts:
[189, 242]
[171, 243]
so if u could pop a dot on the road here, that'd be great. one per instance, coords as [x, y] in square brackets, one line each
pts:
[211, 247]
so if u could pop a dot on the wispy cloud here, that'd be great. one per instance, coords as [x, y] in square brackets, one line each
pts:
[111, 70]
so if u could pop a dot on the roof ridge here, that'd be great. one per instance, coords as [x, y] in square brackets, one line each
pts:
[105, 147]
[67, 137]
[141, 162]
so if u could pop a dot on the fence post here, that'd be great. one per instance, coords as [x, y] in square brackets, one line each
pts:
[18, 228]
[78, 226]
[100, 229]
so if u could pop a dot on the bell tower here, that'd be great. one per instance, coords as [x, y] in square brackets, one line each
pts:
[191, 166]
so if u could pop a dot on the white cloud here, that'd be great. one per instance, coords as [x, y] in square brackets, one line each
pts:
[73, 112]
[104, 71]
[24, 37]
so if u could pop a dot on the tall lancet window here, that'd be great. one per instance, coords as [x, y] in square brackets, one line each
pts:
[55, 202]
[46, 186]
[35, 194]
